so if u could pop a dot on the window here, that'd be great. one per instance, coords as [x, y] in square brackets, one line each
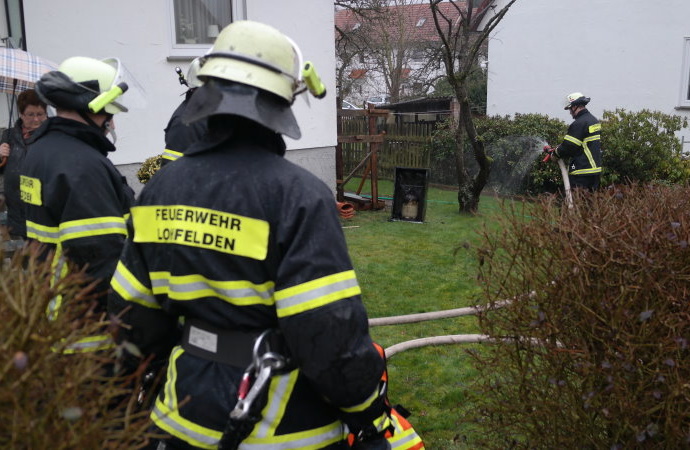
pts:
[420, 22]
[684, 100]
[196, 23]
[15, 25]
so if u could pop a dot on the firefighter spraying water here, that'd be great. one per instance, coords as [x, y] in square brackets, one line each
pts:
[582, 145]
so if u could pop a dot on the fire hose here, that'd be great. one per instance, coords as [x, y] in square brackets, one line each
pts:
[564, 173]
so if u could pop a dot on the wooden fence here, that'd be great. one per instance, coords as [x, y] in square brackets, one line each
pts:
[404, 145]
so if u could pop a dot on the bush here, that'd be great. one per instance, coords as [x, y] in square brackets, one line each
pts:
[637, 147]
[513, 143]
[148, 168]
[593, 348]
[49, 399]
[642, 146]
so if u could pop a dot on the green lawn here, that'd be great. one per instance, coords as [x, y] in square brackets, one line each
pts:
[405, 268]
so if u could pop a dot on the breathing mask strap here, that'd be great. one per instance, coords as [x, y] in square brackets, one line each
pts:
[105, 128]
[108, 127]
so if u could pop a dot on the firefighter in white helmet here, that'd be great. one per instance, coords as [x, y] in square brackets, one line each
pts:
[236, 241]
[75, 199]
[179, 135]
[582, 144]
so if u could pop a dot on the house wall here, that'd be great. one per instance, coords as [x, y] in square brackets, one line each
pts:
[138, 32]
[621, 53]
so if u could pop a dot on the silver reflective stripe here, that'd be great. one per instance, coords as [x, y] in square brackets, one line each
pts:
[66, 231]
[161, 417]
[90, 344]
[51, 236]
[134, 293]
[194, 286]
[314, 294]
[402, 443]
[281, 388]
[332, 433]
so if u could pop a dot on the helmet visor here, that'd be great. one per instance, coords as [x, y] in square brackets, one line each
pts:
[135, 95]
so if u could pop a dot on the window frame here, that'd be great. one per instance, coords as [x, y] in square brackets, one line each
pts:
[684, 92]
[187, 52]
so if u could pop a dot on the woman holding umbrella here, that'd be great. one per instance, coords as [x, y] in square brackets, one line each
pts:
[13, 148]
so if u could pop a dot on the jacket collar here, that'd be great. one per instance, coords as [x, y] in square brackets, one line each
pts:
[226, 131]
[85, 133]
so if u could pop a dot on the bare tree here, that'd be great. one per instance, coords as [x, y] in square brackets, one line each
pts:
[394, 42]
[462, 42]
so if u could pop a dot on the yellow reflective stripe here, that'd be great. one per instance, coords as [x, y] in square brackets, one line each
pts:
[382, 422]
[97, 226]
[193, 287]
[202, 228]
[589, 156]
[75, 229]
[30, 190]
[364, 405]
[90, 344]
[171, 155]
[42, 233]
[279, 393]
[166, 414]
[131, 289]
[315, 439]
[171, 377]
[573, 140]
[402, 438]
[59, 267]
[316, 293]
[594, 128]
[586, 171]
[593, 138]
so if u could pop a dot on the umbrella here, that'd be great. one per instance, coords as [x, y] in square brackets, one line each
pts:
[19, 69]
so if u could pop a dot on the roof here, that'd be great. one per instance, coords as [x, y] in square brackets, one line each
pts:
[418, 19]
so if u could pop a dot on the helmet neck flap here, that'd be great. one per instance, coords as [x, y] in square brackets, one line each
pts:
[217, 97]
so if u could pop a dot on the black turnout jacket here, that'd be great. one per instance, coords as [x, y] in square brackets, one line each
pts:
[582, 143]
[76, 200]
[236, 237]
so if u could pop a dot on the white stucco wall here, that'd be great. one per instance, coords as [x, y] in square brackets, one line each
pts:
[621, 53]
[138, 32]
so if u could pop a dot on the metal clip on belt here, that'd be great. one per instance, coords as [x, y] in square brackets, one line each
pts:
[257, 376]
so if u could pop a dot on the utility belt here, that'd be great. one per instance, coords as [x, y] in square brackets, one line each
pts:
[231, 347]
[263, 354]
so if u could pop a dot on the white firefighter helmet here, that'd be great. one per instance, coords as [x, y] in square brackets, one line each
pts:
[192, 77]
[86, 84]
[575, 99]
[255, 54]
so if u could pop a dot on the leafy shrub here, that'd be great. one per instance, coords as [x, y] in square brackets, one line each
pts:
[592, 351]
[49, 399]
[637, 147]
[513, 143]
[642, 146]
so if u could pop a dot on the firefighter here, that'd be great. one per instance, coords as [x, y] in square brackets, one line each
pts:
[75, 199]
[179, 135]
[582, 144]
[236, 241]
